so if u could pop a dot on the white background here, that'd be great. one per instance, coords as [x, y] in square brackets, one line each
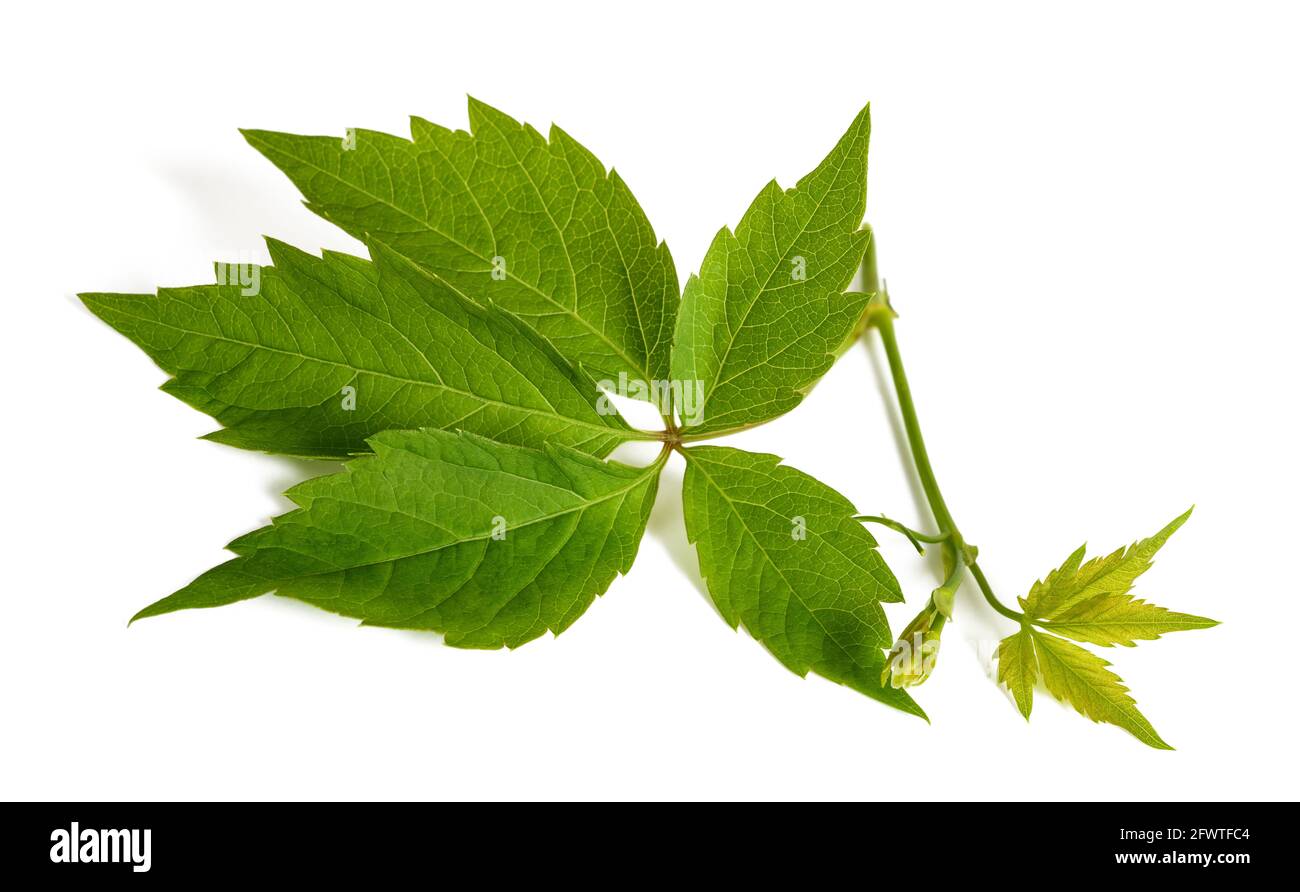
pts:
[1087, 216]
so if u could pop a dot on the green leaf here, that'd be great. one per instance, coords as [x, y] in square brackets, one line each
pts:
[1090, 602]
[753, 332]
[1121, 619]
[487, 543]
[782, 554]
[273, 366]
[572, 251]
[1081, 679]
[1073, 583]
[1018, 668]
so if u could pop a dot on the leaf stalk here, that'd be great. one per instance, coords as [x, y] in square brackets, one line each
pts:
[958, 555]
[914, 536]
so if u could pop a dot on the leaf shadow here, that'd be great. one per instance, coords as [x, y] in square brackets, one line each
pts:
[920, 507]
[667, 524]
[289, 472]
[230, 210]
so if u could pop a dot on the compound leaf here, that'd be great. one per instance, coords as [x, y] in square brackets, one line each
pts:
[782, 555]
[504, 216]
[767, 314]
[1090, 602]
[331, 350]
[487, 543]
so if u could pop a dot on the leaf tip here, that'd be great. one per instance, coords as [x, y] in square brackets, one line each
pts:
[1157, 742]
[93, 301]
[143, 613]
[254, 137]
[1174, 524]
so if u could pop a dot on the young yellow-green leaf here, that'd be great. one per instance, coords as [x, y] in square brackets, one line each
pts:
[1081, 679]
[767, 314]
[1121, 619]
[331, 350]
[487, 543]
[1073, 583]
[504, 216]
[782, 555]
[1018, 668]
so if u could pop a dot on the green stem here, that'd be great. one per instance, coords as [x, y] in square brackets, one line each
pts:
[884, 323]
[881, 317]
[913, 536]
[687, 437]
[987, 591]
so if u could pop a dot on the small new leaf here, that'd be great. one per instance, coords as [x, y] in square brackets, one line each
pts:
[767, 314]
[782, 555]
[489, 544]
[334, 349]
[1090, 602]
[502, 215]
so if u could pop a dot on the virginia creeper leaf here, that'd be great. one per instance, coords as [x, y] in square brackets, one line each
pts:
[1090, 602]
[503, 215]
[273, 366]
[1081, 679]
[506, 268]
[767, 314]
[1018, 668]
[1074, 582]
[782, 555]
[487, 543]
